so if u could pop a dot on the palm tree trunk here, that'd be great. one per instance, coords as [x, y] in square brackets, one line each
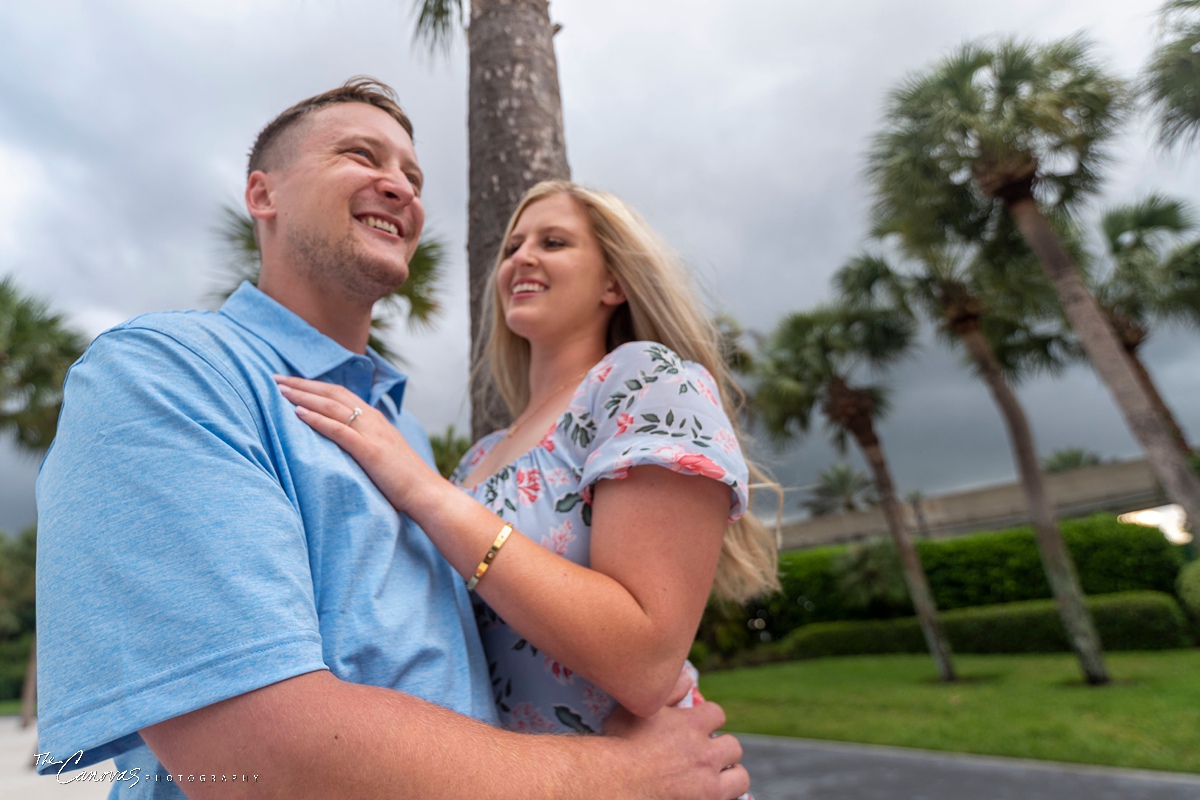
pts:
[515, 130]
[1157, 400]
[914, 573]
[1108, 358]
[1056, 559]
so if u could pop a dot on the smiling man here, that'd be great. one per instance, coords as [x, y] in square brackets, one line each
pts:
[226, 604]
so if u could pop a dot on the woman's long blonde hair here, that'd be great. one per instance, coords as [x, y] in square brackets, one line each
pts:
[661, 307]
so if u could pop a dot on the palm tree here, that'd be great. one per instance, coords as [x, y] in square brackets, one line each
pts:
[448, 450]
[734, 350]
[1016, 128]
[1171, 80]
[36, 350]
[1135, 290]
[806, 364]
[417, 298]
[992, 313]
[515, 140]
[840, 489]
[1181, 275]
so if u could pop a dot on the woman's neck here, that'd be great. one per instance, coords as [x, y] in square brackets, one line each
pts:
[551, 366]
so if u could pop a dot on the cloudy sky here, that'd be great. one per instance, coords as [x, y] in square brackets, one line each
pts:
[124, 126]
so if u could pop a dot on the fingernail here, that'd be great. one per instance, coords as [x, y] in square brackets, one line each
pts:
[285, 389]
[301, 411]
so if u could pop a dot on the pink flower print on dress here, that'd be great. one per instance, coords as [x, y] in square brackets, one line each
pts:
[728, 442]
[702, 385]
[559, 538]
[558, 477]
[624, 423]
[560, 673]
[476, 456]
[596, 701]
[525, 718]
[683, 461]
[618, 471]
[547, 442]
[602, 375]
[529, 485]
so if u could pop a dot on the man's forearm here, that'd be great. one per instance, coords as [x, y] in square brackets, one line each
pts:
[316, 736]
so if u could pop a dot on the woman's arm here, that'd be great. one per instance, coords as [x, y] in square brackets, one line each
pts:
[627, 622]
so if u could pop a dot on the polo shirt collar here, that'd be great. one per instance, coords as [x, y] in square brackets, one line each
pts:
[310, 353]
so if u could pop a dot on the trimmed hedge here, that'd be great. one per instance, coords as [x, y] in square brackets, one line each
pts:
[1125, 621]
[976, 570]
[1005, 567]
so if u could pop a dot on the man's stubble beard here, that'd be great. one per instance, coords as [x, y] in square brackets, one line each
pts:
[339, 263]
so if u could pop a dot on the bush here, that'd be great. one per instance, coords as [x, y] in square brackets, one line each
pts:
[1005, 567]
[1125, 621]
[14, 661]
[1188, 589]
[982, 569]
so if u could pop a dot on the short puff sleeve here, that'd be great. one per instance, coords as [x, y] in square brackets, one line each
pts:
[651, 407]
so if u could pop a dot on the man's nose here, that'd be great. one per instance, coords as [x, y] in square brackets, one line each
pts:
[396, 186]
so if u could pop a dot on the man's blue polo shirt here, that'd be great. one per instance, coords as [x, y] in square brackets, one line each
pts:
[197, 541]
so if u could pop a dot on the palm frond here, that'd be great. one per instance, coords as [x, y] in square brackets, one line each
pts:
[1146, 224]
[417, 298]
[1170, 82]
[438, 23]
[37, 347]
[812, 353]
[986, 117]
[732, 339]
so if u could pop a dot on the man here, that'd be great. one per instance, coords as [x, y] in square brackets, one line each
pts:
[227, 606]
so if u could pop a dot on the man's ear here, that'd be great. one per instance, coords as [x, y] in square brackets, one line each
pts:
[260, 197]
[613, 294]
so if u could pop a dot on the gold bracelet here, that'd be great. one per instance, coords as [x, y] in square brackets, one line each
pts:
[501, 538]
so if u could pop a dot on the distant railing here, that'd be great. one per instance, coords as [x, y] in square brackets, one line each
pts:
[1117, 487]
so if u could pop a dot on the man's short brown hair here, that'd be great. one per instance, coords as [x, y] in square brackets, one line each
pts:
[271, 149]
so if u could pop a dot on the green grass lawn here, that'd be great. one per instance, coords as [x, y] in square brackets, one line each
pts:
[10, 707]
[1026, 706]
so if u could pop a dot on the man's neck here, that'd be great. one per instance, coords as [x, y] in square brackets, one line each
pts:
[345, 320]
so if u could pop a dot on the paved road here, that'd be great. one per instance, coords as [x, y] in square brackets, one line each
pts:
[793, 769]
[804, 769]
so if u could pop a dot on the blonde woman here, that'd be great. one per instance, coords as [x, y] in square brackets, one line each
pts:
[595, 526]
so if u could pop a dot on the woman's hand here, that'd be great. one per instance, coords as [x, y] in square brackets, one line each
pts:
[344, 418]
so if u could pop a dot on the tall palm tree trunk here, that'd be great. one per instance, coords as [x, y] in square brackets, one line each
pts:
[515, 130]
[1139, 369]
[1108, 357]
[863, 431]
[1056, 559]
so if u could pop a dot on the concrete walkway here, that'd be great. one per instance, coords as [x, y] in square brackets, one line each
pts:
[806, 769]
[19, 782]
[788, 769]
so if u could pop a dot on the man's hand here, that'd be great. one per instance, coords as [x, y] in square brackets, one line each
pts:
[677, 752]
[342, 417]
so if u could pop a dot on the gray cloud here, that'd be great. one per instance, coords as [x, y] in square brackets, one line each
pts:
[123, 128]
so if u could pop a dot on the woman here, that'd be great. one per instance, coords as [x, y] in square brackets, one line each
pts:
[613, 502]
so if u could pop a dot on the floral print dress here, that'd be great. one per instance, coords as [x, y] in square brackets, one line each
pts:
[641, 404]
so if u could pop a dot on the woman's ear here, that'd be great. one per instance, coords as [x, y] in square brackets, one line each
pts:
[613, 294]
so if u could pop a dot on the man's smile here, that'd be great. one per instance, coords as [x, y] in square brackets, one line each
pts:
[381, 223]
